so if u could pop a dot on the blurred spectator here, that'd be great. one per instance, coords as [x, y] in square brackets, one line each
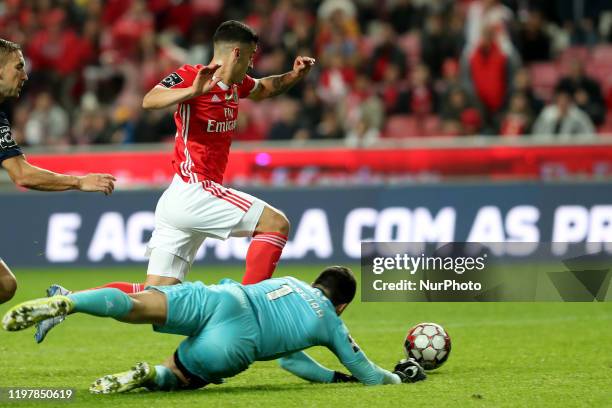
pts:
[93, 127]
[338, 32]
[57, 48]
[246, 128]
[578, 19]
[363, 134]
[534, 44]
[301, 33]
[117, 49]
[288, 125]
[18, 124]
[330, 127]
[47, 123]
[586, 92]
[153, 126]
[450, 78]
[517, 121]
[390, 88]
[311, 109]
[385, 54]
[363, 107]
[336, 80]
[199, 50]
[487, 14]
[522, 84]
[405, 16]
[563, 120]
[460, 115]
[129, 30]
[420, 97]
[441, 42]
[490, 69]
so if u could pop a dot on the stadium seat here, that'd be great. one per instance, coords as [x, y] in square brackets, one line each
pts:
[572, 54]
[602, 56]
[606, 127]
[431, 126]
[600, 72]
[544, 77]
[403, 126]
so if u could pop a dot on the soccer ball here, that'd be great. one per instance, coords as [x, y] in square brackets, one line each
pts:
[428, 344]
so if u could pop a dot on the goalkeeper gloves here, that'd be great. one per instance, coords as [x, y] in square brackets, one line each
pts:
[343, 378]
[409, 371]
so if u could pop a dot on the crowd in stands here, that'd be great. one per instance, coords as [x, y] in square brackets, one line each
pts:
[385, 68]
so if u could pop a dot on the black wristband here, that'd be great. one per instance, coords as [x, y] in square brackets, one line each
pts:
[340, 377]
[403, 377]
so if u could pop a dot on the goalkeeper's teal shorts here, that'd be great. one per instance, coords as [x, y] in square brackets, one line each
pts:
[223, 331]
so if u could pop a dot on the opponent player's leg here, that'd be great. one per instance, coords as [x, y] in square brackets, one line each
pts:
[269, 239]
[144, 307]
[8, 283]
[166, 268]
[44, 327]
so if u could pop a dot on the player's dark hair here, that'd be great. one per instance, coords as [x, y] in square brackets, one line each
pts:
[235, 31]
[338, 283]
[7, 47]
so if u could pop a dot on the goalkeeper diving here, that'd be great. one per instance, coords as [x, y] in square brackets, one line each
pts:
[228, 327]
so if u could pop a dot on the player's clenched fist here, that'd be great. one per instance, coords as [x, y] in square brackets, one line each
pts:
[205, 79]
[302, 65]
[104, 183]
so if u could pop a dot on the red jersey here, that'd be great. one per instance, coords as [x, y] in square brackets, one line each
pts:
[205, 126]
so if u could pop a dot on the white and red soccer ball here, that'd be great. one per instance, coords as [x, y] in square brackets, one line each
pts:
[428, 344]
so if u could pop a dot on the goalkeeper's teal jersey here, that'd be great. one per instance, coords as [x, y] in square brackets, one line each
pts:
[294, 316]
[230, 326]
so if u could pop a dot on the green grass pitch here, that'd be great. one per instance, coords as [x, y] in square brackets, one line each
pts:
[504, 354]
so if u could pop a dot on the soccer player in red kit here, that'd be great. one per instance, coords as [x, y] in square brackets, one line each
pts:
[196, 205]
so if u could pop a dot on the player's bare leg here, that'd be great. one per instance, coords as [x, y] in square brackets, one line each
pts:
[156, 280]
[272, 220]
[269, 239]
[8, 283]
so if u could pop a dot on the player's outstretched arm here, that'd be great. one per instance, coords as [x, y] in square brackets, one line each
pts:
[305, 367]
[355, 360]
[278, 84]
[24, 174]
[161, 97]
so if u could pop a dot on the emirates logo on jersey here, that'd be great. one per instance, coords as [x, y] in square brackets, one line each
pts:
[214, 126]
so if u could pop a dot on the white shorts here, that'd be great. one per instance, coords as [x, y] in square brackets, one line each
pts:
[186, 214]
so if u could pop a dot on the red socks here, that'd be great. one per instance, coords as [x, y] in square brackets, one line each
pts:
[261, 259]
[263, 255]
[126, 287]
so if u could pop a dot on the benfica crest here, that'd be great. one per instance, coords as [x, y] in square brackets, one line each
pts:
[233, 95]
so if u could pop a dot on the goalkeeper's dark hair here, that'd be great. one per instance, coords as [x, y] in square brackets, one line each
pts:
[338, 283]
[233, 31]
